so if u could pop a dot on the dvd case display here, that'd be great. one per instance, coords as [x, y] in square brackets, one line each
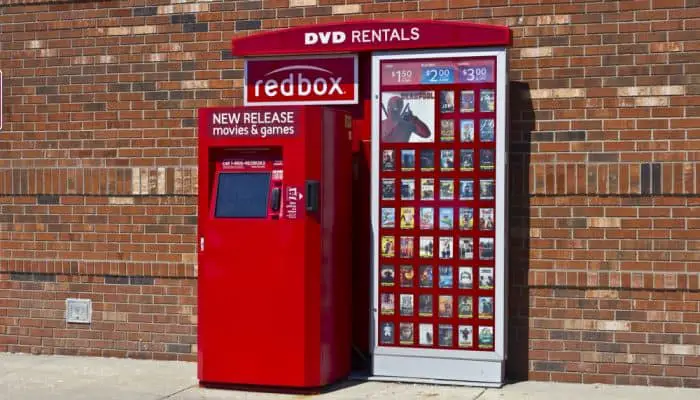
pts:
[406, 276]
[464, 307]
[447, 130]
[466, 189]
[486, 307]
[487, 131]
[425, 305]
[427, 159]
[407, 217]
[486, 222]
[427, 189]
[487, 100]
[466, 279]
[387, 303]
[425, 244]
[439, 181]
[447, 101]
[486, 337]
[466, 336]
[388, 160]
[466, 218]
[466, 248]
[387, 333]
[406, 305]
[486, 248]
[406, 247]
[426, 334]
[388, 191]
[447, 160]
[408, 189]
[446, 218]
[486, 159]
[445, 306]
[444, 277]
[485, 277]
[487, 189]
[387, 275]
[406, 333]
[445, 248]
[447, 189]
[408, 160]
[426, 218]
[388, 217]
[466, 160]
[445, 335]
[466, 101]
[388, 246]
[466, 130]
[426, 277]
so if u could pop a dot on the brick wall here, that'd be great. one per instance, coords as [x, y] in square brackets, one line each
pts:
[97, 173]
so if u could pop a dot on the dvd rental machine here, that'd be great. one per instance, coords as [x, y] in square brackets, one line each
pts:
[274, 248]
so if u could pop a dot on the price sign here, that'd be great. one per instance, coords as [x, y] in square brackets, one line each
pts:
[475, 73]
[443, 73]
[437, 75]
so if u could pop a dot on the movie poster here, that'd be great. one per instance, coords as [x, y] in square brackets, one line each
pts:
[464, 307]
[388, 218]
[425, 247]
[445, 335]
[445, 306]
[407, 217]
[406, 333]
[426, 218]
[427, 189]
[426, 277]
[387, 306]
[426, 334]
[445, 275]
[486, 307]
[425, 305]
[406, 305]
[408, 117]
[465, 336]
[387, 275]
[388, 246]
[406, 277]
[427, 159]
[465, 278]
[388, 160]
[466, 218]
[486, 337]
[387, 333]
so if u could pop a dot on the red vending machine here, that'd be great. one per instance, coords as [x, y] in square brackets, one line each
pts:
[274, 246]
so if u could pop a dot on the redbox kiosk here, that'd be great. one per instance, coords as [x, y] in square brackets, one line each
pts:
[429, 117]
[274, 249]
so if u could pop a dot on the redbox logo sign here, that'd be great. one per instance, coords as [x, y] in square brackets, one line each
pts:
[300, 81]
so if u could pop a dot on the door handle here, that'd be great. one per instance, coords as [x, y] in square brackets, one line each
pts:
[312, 194]
[201, 243]
[275, 201]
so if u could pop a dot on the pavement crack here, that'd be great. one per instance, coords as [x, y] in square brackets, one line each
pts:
[167, 396]
[480, 394]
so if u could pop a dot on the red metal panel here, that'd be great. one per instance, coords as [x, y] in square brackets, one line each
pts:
[373, 35]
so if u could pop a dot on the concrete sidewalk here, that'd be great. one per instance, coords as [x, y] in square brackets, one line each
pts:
[25, 377]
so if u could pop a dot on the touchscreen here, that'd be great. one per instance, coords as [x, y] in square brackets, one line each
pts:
[242, 195]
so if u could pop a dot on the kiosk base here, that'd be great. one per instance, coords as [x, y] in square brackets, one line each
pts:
[432, 370]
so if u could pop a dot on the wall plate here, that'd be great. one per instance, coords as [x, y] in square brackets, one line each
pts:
[78, 311]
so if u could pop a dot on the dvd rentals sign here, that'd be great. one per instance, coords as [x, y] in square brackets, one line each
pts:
[301, 81]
